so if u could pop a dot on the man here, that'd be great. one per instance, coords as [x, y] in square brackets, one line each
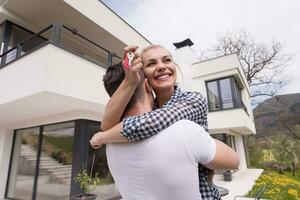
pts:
[164, 166]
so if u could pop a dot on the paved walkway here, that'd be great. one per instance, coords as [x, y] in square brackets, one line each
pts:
[242, 182]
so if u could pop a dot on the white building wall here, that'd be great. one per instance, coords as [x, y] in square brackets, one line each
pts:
[6, 138]
[67, 82]
[52, 69]
[70, 75]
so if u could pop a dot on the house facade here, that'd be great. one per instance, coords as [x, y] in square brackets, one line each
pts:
[53, 57]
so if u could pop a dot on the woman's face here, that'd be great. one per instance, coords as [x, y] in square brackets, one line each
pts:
[159, 68]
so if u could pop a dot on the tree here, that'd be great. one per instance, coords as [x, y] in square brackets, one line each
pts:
[262, 64]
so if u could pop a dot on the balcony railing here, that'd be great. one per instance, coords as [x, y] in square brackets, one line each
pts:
[64, 37]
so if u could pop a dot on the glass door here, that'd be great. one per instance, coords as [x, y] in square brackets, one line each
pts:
[23, 164]
[41, 163]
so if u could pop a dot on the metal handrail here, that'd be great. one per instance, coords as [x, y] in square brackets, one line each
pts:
[20, 44]
[27, 39]
[76, 33]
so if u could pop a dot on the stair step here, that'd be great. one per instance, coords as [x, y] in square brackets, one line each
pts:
[58, 167]
[61, 172]
[42, 158]
[49, 161]
[66, 176]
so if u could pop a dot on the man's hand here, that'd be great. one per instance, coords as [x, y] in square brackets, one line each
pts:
[132, 73]
[96, 141]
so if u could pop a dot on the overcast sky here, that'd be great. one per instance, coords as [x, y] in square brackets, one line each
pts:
[168, 21]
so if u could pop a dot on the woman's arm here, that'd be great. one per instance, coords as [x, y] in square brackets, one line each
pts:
[119, 100]
[110, 136]
[191, 106]
[117, 103]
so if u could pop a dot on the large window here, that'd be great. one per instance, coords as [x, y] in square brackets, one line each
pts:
[41, 163]
[223, 94]
[46, 158]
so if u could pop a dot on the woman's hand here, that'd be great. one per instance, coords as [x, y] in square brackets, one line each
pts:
[132, 73]
[112, 135]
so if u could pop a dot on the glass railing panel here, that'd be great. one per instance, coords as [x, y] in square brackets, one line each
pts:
[83, 47]
[22, 42]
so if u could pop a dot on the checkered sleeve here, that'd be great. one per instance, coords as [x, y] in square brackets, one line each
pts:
[191, 106]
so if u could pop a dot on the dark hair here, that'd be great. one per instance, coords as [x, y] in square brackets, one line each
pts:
[113, 78]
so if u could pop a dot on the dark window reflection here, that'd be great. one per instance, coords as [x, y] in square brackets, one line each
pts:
[223, 94]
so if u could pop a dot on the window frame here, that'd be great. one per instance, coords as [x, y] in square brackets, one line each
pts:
[80, 153]
[236, 98]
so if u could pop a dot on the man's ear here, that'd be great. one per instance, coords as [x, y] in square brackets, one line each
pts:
[147, 86]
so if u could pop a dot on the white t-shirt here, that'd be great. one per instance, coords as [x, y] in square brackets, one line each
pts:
[164, 166]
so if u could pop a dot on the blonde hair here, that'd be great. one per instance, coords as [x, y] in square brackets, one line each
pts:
[154, 46]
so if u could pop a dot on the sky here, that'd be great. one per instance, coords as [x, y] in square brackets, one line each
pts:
[167, 21]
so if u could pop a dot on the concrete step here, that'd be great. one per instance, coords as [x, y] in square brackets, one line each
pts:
[42, 158]
[49, 162]
[57, 171]
[64, 176]
[27, 180]
[58, 167]
[62, 172]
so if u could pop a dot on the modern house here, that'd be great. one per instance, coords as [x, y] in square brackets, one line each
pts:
[53, 56]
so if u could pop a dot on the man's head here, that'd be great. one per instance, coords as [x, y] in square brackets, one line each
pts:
[113, 78]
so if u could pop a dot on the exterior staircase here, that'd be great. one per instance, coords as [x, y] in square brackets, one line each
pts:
[57, 172]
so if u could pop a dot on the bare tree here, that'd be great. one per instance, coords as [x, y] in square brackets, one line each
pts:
[263, 64]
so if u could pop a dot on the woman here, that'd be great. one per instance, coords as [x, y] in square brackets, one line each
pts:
[171, 104]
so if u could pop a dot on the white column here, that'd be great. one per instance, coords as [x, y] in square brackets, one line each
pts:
[6, 138]
[240, 149]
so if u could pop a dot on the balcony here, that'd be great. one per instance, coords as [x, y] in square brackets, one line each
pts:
[54, 75]
[59, 35]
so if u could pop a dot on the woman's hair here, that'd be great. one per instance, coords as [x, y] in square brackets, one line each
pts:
[153, 46]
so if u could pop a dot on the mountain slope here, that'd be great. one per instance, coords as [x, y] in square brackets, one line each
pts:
[276, 114]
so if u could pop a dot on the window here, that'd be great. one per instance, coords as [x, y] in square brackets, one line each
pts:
[41, 162]
[223, 94]
[46, 158]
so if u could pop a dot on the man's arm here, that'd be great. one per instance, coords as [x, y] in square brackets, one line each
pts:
[192, 107]
[206, 150]
[225, 157]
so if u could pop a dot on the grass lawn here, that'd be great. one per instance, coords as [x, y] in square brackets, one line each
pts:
[279, 186]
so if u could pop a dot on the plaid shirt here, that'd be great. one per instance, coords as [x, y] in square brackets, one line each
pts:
[182, 105]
